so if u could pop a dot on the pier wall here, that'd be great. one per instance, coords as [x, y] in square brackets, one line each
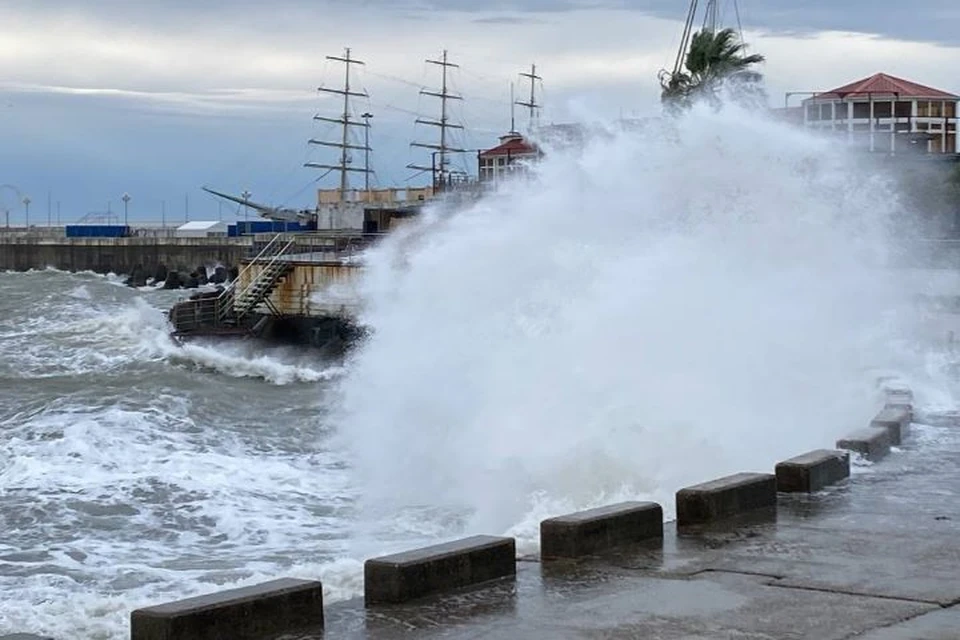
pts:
[119, 255]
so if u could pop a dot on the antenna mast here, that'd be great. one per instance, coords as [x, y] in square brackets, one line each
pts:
[439, 170]
[345, 122]
[532, 103]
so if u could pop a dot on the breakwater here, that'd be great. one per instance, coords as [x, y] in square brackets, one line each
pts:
[119, 255]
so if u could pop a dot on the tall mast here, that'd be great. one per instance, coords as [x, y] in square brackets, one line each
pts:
[532, 103]
[710, 17]
[439, 170]
[345, 121]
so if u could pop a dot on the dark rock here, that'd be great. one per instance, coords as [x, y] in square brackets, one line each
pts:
[138, 277]
[202, 274]
[234, 273]
[160, 273]
[173, 280]
[220, 275]
[192, 281]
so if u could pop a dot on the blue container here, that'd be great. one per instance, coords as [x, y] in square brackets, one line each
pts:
[232, 231]
[97, 231]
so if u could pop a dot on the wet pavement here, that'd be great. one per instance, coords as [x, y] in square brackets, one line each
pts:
[876, 557]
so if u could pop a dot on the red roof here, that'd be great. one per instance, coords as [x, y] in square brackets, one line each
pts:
[511, 146]
[883, 84]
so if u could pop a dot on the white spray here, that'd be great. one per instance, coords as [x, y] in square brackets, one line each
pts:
[653, 309]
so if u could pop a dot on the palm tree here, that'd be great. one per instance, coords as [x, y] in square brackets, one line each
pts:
[714, 60]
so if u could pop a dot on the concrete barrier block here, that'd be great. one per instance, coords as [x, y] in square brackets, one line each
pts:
[900, 399]
[250, 613]
[812, 471]
[896, 421]
[413, 574]
[872, 443]
[725, 497]
[586, 532]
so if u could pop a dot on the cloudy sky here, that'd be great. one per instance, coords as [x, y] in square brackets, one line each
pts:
[159, 97]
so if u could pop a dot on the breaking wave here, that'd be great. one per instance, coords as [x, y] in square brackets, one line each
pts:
[655, 308]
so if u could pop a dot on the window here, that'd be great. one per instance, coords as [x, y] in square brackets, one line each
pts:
[949, 109]
[936, 109]
[813, 112]
[904, 109]
[826, 112]
[861, 110]
[882, 109]
[842, 110]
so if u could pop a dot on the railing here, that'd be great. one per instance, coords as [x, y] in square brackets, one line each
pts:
[268, 258]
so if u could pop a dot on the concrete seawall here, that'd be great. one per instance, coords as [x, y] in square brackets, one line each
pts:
[119, 255]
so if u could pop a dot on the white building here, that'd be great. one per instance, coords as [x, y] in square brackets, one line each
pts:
[202, 229]
[888, 115]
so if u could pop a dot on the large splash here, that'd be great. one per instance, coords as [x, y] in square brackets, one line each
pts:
[654, 308]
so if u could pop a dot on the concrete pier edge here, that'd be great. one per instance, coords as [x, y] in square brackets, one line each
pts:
[283, 606]
[812, 471]
[873, 443]
[413, 574]
[587, 532]
[725, 497]
[895, 420]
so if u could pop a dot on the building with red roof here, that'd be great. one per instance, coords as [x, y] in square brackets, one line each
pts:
[499, 162]
[888, 114]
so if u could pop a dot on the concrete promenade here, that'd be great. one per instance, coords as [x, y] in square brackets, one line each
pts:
[875, 557]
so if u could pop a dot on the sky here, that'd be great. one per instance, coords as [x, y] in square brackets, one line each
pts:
[157, 98]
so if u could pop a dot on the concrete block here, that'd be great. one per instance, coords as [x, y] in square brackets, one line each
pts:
[872, 443]
[895, 421]
[250, 613]
[586, 532]
[812, 471]
[725, 497]
[413, 574]
[900, 399]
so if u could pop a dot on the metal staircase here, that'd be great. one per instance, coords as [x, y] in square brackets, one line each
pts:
[236, 302]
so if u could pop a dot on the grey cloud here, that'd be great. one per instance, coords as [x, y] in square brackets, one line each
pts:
[936, 22]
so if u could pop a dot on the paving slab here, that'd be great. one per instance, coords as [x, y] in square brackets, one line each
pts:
[943, 624]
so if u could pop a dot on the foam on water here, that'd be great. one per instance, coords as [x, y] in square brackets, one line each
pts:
[659, 308]
[135, 471]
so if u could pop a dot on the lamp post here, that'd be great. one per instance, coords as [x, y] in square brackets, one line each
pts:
[126, 201]
[366, 150]
[26, 206]
[246, 211]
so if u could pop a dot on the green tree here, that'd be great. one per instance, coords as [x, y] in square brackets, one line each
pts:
[715, 61]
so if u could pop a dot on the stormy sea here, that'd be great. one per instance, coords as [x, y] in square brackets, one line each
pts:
[650, 309]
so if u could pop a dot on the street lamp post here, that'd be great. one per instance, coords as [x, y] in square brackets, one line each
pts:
[126, 201]
[246, 210]
[26, 206]
[366, 150]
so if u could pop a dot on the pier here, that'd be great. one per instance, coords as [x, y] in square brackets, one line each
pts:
[818, 546]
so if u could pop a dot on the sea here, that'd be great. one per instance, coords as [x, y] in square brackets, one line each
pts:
[652, 308]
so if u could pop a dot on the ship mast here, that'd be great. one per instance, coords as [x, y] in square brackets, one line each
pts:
[439, 170]
[710, 17]
[345, 121]
[531, 104]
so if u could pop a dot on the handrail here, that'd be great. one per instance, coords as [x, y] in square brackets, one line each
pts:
[266, 272]
[229, 288]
